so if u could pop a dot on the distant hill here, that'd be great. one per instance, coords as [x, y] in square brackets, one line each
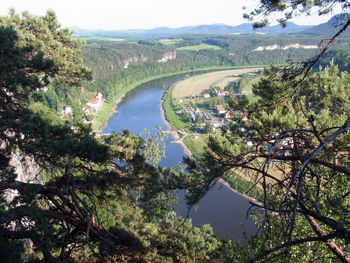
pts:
[215, 29]
[325, 29]
[329, 28]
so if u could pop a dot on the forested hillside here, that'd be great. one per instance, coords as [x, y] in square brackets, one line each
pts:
[329, 28]
[67, 195]
[118, 64]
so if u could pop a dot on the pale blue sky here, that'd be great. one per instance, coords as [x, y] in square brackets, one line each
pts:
[140, 14]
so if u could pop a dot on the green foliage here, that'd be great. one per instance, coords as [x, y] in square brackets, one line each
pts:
[176, 121]
[12, 251]
[340, 57]
[199, 47]
[198, 120]
[305, 189]
[74, 196]
[209, 128]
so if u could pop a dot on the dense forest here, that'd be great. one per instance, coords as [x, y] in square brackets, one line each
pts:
[68, 195]
[118, 64]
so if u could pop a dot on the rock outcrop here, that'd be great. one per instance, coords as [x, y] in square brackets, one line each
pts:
[26, 169]
[134, 60]
[167, 56]
[274, 47]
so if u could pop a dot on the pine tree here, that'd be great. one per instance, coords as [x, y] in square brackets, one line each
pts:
[79, 198]
[299, 157]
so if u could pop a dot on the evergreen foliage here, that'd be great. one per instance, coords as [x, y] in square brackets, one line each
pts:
[106, 199]
[87, 199]
[298, 155]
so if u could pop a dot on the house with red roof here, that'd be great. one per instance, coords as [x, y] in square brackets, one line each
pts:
[220, 109]
[95, 102]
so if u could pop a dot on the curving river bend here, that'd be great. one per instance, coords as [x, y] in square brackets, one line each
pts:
[223, 209]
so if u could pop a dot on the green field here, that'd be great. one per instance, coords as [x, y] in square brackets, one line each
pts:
[246, 87]
[199, 47]
[246, 83]
[176, 121]
[196, 145]
[169, 42]
[195, 85]
[102, 38]
[243, 186]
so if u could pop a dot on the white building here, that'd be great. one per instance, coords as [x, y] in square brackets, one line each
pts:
[67, 110]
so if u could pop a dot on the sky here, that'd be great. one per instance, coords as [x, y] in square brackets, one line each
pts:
[142, 14]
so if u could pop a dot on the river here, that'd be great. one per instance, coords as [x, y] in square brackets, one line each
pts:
[223, 209]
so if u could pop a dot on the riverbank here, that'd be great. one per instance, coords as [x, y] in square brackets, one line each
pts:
[108, 108]
[173, 133]
[235, 182]
[222, 181]
[251, 200]
[114, 110]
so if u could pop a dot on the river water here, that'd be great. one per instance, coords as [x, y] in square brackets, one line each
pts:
[223, 209]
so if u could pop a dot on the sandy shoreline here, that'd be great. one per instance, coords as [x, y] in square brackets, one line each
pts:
[250, 199]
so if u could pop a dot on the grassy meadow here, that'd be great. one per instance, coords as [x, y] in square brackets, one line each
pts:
[195, 85]
[199, 47]
[169, 42]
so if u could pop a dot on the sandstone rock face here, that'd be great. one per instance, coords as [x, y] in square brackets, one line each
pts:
[274, 47]
[167, 56]
[26, 169]
[134, 60]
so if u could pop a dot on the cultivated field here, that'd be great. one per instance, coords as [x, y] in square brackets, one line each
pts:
[199, 47]
[169, 42]
[224, 82]
[196, 85]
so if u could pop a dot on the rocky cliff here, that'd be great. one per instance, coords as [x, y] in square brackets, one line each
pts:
[167, 56]
[26, 169]
[134, 60]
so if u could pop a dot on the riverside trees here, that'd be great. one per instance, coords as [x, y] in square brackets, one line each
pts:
[91, 209]
[77, 205]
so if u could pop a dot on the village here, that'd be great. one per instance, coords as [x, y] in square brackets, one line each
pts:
[221, 117]
[202, 114]
[92, 107]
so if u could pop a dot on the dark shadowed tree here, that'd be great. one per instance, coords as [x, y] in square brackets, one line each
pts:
[63, 199]
[299, 129]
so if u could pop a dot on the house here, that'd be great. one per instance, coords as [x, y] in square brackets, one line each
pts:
[206, 95]
[220, 109]
[216, 125]
[88, 110]
[227, 115]
[193, 116]
[44, 88]
[67, 110]
[95, 102]
[238, 113]
[221, 92]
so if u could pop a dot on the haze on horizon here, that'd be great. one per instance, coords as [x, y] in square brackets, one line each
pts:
[142, 14]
